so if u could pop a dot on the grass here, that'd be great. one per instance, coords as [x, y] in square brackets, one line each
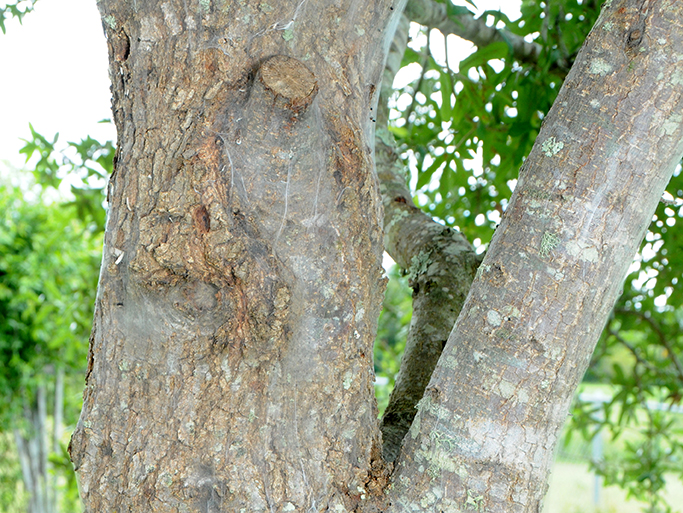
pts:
[572, 488]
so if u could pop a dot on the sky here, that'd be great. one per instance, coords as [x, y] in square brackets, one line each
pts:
[54, 74]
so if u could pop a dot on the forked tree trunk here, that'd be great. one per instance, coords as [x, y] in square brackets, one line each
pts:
[231, 358]
[485, 430]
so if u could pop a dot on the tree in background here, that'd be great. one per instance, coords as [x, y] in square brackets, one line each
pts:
[49, 261]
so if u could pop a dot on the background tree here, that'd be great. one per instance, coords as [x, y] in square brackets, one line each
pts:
[49, 260]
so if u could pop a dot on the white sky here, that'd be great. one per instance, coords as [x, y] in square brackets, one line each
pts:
[54, 74]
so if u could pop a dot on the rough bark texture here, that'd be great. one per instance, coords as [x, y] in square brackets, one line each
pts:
[485, 431]
[231, 357]
[441, 265]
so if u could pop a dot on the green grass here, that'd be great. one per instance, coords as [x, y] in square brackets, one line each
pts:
[571, 491]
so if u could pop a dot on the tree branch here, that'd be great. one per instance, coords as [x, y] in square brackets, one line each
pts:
[466, 26]
[440, 261]
[663, 340]
[633, 350]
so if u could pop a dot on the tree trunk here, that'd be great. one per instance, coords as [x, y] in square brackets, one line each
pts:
[32, 450]
[440, 262]
[58, 420]
[230, 363]
[231, 355]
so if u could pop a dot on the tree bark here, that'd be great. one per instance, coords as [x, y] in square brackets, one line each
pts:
[484, 434]
[230, 363]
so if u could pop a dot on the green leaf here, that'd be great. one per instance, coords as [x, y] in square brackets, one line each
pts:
[446, 92]
[497, 50]
[518, 128]
[410, 56]
[454, 11]
[425, 176]
[497, 16]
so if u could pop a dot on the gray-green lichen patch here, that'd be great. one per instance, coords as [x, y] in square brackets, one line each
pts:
[428, 500]
[451, 362]
[110, 21]
[396, 218]
[474, 501]
[493, 318]
[205, 5]
[166, 479]
[551, 146]
[506, 389]
[599, 67]
[418, 264]
[677, 78]
[511, 311]
[549, 242]
[672, 124]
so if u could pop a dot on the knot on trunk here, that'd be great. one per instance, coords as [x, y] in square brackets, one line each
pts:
[292, 84]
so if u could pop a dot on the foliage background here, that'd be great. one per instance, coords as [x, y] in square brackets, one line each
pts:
[50, 253]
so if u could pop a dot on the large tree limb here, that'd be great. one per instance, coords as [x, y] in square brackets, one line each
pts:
[489, 420]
